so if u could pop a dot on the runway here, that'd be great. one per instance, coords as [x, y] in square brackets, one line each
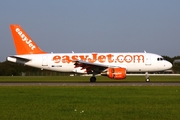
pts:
[93, 84]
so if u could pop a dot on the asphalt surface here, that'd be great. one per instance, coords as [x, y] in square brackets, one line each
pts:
[92, 84]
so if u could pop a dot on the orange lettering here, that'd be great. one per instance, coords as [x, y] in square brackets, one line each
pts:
[56, 59]
[93, 59]
[84, 58]
[110, 56]
[138, 58]
[66, 59]
[128, 58]
[120, 58]
[74, 57]
[102, 58]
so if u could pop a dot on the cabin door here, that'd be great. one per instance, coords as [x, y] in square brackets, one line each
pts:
[148, 60]
[44, 60]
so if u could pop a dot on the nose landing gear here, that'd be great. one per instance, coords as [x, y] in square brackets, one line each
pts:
[147, 77]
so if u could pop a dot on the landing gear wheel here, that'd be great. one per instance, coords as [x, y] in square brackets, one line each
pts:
[147, 77]
[93, 79]
[147, 80]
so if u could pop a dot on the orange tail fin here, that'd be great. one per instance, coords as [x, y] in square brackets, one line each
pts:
[23, 43]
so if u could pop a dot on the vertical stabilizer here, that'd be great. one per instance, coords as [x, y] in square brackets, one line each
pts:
[22, 41]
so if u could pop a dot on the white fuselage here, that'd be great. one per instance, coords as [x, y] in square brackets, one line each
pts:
[64, 62]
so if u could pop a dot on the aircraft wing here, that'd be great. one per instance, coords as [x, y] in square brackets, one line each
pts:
[95, 67]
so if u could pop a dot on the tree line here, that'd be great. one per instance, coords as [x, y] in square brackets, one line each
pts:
[13, 69]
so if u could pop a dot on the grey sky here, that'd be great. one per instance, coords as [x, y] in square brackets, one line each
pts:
[94, 25]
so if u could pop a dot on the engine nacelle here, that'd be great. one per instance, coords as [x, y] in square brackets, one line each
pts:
[116, 73]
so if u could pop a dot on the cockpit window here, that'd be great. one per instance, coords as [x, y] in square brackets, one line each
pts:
[160, 59]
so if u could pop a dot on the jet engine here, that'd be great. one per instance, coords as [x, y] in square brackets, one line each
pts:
[116, 73]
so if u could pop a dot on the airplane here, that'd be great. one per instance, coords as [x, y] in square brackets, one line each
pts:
[113, 65]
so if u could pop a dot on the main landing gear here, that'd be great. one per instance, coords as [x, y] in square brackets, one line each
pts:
[93, 79]
[147, 77]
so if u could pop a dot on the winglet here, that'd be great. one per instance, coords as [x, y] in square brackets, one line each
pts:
[22, 41]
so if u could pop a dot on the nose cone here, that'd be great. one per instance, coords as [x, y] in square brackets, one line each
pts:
[168, 65]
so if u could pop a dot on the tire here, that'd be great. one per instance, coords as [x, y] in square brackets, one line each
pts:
[147, 80]
[93, 79]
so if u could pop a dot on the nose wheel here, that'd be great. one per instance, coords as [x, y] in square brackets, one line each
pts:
[147, 80]
[147, 77]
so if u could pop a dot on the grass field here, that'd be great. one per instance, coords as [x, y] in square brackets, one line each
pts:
[88, 102]
[86, 79]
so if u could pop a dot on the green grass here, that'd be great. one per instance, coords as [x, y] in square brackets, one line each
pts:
[86, 79]
[89, 103]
